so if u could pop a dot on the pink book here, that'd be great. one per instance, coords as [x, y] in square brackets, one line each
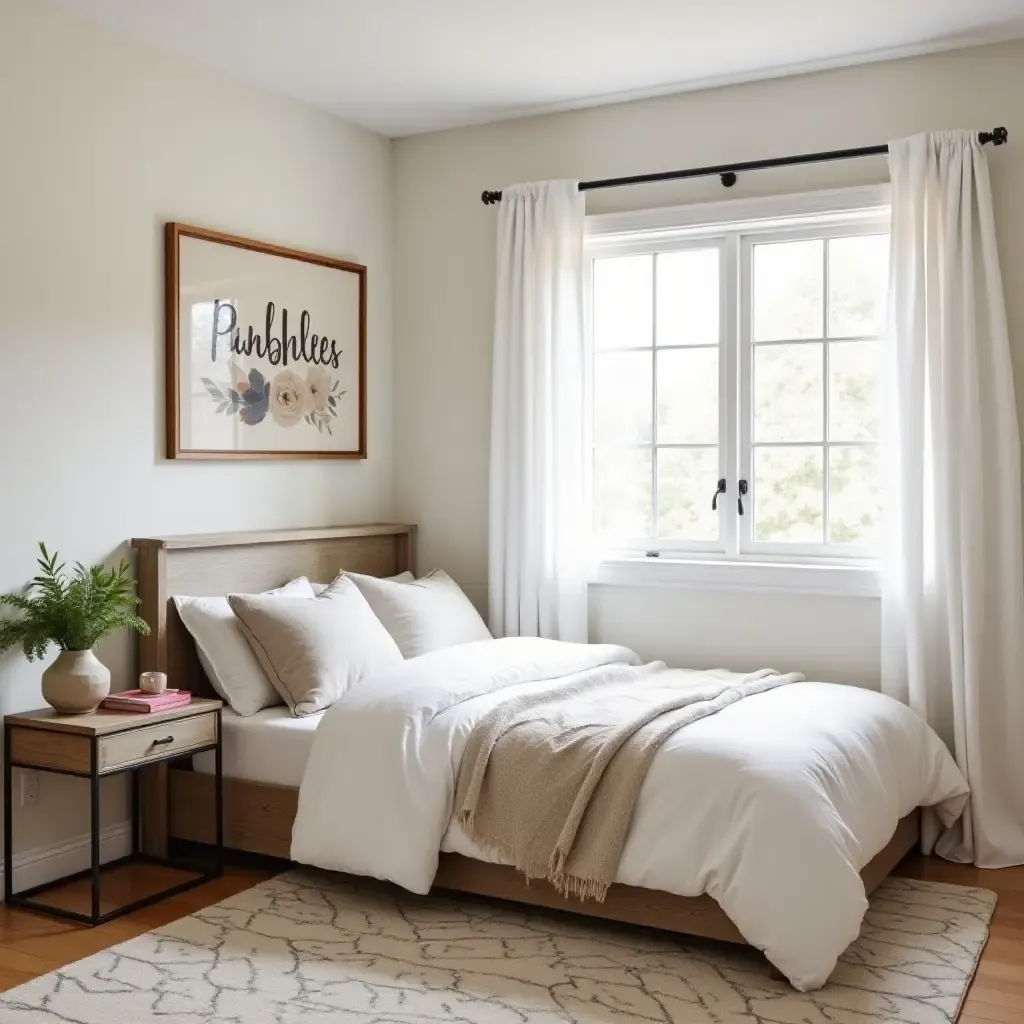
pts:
[136, 700]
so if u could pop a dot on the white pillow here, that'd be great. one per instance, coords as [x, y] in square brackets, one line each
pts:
[402, 577]
[224, 652]
[423, 615]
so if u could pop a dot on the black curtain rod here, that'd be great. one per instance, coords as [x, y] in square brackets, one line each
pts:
[728, 171]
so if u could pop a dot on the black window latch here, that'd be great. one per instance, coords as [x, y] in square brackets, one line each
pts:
[743, 490]
[721, 490]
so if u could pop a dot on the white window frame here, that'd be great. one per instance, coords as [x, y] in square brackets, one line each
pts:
[735, 226]
[630, 248]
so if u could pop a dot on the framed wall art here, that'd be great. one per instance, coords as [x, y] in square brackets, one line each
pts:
[266, 350]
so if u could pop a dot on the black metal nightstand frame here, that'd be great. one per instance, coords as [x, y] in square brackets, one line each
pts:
[94, 871]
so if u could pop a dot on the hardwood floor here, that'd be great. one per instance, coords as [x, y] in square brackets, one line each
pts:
[997, 993]
[31, 944]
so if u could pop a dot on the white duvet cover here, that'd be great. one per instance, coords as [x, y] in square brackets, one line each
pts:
[772, 806]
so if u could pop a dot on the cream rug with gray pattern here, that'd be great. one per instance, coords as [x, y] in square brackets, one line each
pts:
[307, 946]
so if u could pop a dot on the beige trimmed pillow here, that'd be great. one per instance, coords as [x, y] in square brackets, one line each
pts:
[224, 653]
[313, 651]
[424, 614]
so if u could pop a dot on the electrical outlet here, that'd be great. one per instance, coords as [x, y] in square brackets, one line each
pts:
[29, 787]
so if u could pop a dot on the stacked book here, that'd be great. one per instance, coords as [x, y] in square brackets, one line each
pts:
[138, 700]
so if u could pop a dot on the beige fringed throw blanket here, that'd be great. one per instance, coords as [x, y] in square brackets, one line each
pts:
[549, 779]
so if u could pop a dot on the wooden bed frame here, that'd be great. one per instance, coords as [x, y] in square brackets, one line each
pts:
[178, 803]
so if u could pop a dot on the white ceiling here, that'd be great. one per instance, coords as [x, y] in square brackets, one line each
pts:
[406, 66]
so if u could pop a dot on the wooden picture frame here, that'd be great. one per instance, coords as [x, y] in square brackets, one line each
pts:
[252, 394]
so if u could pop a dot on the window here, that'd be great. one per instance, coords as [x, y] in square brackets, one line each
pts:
[736, 383]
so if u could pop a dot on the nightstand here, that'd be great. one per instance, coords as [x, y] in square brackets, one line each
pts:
[93, 747]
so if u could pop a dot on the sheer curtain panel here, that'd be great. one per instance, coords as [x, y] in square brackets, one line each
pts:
[953, 579]
[538, 435]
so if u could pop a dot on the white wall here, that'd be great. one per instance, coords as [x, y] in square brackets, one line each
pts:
[101, 142]
[445, 289]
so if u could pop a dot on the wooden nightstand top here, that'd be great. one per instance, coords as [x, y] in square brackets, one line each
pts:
[104, 722]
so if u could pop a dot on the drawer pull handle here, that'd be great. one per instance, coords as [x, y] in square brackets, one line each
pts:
[166, 739]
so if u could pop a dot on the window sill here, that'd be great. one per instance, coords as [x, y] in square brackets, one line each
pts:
[765, 577]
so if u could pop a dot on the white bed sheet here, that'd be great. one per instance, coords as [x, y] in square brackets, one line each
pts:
[271, 746]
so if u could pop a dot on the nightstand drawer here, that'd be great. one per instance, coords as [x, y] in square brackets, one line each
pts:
[154, 741]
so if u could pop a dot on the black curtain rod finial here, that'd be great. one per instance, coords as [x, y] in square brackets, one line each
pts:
[490, 198]
[998, 136]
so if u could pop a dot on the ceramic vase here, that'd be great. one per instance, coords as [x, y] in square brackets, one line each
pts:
[76, 683]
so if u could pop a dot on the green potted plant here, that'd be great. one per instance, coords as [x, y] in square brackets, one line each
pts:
[75, 611]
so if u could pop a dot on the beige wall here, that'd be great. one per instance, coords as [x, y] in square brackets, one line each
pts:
[101, 141]
[444, 307]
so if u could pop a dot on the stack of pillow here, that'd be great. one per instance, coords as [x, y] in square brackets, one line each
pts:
[305, 644]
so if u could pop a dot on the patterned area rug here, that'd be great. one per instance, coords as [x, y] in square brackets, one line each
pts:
[307, 947]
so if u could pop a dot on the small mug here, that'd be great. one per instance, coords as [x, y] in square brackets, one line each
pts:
[153, 682]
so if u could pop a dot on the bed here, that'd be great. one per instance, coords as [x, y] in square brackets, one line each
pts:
[261, 791]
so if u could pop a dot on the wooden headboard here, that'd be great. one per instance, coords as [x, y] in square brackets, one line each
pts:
[210, 565]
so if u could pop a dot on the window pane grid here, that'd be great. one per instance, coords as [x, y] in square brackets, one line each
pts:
[816, 291]
[850, 517]
[845, 500]
[698, 494]
[674, 443]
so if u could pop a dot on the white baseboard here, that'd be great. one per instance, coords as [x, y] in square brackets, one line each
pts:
[45, 863]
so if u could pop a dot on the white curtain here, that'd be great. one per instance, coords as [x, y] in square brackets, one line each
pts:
[537, 566]
[953, 579]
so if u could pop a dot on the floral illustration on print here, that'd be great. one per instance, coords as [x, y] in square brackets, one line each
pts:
[287, 397]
